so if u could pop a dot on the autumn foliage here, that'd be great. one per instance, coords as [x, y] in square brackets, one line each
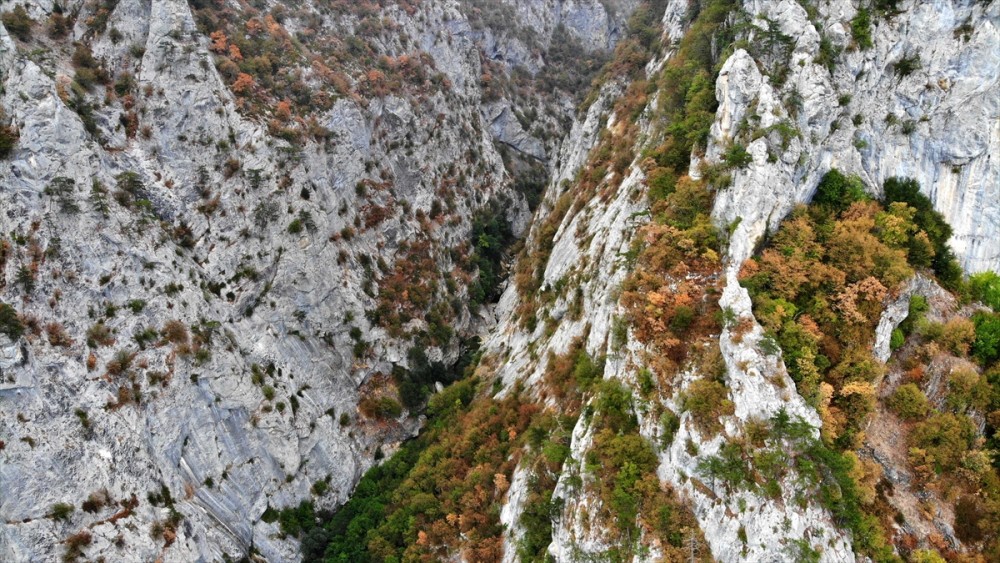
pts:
[243, 84]
[266, 66]
[820, 286]
[670, 295]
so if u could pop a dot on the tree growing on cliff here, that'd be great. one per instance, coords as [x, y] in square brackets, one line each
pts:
[18, 23]
[10, 324]
[8, 138]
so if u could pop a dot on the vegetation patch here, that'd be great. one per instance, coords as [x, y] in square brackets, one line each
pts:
[491, 236]
[608, 161]
[819, 287]
[623, 465]
[786, 444]
[820, 284]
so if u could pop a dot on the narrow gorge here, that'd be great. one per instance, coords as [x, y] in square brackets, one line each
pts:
[513, 280]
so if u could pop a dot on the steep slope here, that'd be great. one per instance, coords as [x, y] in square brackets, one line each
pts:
[248, 240]
[224, 238]
[806, 100]
[611, 227]
[632, 401]
[903, 107]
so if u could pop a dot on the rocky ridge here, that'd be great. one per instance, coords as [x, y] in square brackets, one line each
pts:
[255, 400]
[950, 152]
[202, 431]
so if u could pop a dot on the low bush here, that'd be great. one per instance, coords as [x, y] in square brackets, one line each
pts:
[10, 323]
[295, 521]
[99, 335]
[907, 64]
[966, 389]
[75, 544]
[986, 346]
[18, 23]
[915, 313]
[941, 442]
[985, 287]
[737, 156]
[61, 511]
[8, 139]
[909, 402]
[707, 401]
[175, 332]
[57, 335]
[861, 29]
[897, 339]
[837, 192]
[380, 407]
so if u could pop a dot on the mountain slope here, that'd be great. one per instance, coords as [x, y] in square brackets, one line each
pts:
[247, 241]
[808, 99]
[215, 267]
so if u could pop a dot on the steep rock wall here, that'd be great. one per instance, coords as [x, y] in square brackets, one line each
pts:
[949, 144]
[270, 408]
[949, 102]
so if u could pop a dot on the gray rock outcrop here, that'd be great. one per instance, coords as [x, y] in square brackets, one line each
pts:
[263, 252]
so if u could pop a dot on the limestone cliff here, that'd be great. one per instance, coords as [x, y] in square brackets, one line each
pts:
[221, 263]
[798, 116]
[267, 241]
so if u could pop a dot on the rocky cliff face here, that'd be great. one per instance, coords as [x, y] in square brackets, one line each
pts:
[869, 116]
[266, 256]
[215, 293]
[798, 117]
